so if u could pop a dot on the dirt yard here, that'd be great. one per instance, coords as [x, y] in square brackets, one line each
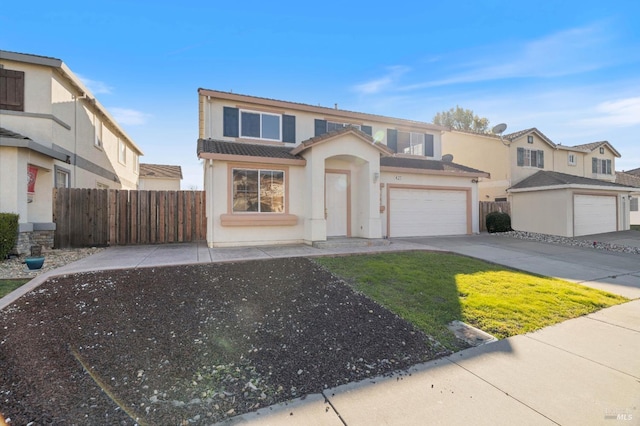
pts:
[192, 344]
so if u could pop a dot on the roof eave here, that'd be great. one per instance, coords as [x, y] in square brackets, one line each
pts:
[251, 159]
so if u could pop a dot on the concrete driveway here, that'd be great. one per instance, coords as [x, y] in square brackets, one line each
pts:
[611, 271]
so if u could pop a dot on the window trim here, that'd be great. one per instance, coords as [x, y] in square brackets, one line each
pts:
[570, 156]
[602, 164]
[260, 113]
[633, 204]
[530, 139]
[67, 172]
[97, 133]
[232, 218]
[122, 152]
[539, 158]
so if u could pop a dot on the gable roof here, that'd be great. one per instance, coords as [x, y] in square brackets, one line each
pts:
[319, 109]
[426, 164]
[517, 135]
[6, 133]
[635, 172]
[545, 178]
[242, 151]
[224, 150]
[592, 146]
[628, 179]
[164, 171]
[335, 133]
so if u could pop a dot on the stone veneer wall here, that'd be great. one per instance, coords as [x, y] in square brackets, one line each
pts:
[32, 236]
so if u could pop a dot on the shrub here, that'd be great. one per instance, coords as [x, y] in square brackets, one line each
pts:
[8, 233]
[498, 222]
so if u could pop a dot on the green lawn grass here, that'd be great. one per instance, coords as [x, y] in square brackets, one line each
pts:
[432, 289]
[7, 286]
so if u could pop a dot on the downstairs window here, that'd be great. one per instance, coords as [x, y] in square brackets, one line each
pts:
[258, 190]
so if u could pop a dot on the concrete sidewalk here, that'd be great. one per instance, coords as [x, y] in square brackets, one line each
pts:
[584, 371]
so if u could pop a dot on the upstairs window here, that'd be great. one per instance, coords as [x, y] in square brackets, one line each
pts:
[323, 126]
[11, 90]
[257, 190]
[258, 125]
[410, 143]
[122, 152]
[97, 142]
[571, 159]
[530, 158]
[601, 166]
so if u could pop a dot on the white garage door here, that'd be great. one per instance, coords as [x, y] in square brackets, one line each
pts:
[427, 212]
[594, 214]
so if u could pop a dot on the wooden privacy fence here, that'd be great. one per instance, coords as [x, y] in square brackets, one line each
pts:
[101, 217]
[487, 207]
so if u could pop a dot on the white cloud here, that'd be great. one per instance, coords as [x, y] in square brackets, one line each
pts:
[621, 112]
[96, 87]
[563, 53]
[129, 116]
[378, 85]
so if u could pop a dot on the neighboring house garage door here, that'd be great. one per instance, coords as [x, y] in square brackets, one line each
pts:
[594, 214]
[426, 212]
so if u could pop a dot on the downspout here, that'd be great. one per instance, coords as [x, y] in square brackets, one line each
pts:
[75, 138]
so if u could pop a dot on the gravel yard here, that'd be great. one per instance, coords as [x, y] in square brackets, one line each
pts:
[192, 344]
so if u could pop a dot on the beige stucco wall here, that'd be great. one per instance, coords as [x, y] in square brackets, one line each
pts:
[519, 173]
[484, 153]
[213, 113]
[545, 212]
[217, 186]
[561, 162]
[159, 184]
[551, 211]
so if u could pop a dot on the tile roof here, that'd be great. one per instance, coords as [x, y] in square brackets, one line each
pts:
[517, 135]
[628, 179]
[245, 149]
[593, 145]
[420, 163]
[347, 129]
[635, 172]
[6, 133]
[548, 178]
[160, 171]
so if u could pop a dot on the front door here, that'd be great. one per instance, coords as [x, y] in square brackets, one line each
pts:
[336, 190]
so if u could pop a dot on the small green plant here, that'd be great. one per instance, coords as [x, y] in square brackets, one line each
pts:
[498, 222]
[8, 233]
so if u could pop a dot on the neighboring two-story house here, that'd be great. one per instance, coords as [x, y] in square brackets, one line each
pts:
[160, 177]
[54, 133]
[631, 178]
[553, 189]
[279, 172]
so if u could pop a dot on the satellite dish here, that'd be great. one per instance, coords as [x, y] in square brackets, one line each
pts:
[447, 158]
[499, 128]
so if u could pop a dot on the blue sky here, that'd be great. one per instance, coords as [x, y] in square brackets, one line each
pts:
[571, 68]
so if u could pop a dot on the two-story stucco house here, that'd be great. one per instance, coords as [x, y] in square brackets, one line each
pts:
[553, 189]
[54, 133]
[279, 172]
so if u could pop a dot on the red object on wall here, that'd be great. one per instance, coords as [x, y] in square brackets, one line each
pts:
[32, 174]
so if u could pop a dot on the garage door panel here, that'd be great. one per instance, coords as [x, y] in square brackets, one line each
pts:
[421, 212]
[594, 214]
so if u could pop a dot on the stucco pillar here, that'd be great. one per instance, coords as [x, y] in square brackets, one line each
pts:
[315, 225]
[13, 182]
[209, 190]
